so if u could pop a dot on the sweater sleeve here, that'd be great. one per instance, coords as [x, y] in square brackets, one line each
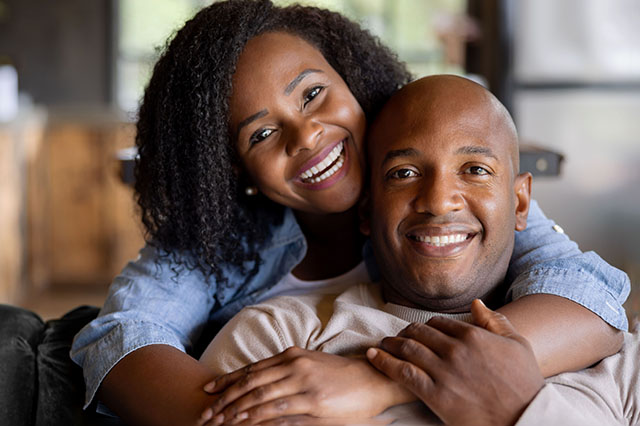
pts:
[550, 407]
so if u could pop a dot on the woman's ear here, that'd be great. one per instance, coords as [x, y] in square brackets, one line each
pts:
[364, 213]
[522, 189]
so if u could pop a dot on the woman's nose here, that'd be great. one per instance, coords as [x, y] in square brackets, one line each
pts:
[438, 195]
[304, 135]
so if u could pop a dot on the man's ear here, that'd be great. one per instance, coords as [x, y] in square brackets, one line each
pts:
[522, 189]
[364, 213]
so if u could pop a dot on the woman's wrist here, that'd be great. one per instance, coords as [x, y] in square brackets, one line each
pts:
[385, 392]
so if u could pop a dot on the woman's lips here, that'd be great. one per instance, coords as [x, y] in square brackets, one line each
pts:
[318, 164]
[327, 168]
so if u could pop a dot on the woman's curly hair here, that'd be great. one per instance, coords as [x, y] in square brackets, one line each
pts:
[187, 185]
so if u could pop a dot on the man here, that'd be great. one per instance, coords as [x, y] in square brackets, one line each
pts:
[436, 182]
[444, 202]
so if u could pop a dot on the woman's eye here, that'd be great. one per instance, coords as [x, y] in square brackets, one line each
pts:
[477, 170]
[403, 174]
[311, 94]
[259, 136]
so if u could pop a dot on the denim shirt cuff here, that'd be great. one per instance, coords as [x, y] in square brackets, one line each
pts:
[101, 356]
[578, 286]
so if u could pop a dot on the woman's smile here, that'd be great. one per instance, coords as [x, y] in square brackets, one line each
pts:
[323, 170]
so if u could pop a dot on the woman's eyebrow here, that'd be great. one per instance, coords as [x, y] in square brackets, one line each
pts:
[294, 83]
[251, 118]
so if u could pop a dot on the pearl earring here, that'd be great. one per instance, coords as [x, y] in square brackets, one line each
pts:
[251, 190]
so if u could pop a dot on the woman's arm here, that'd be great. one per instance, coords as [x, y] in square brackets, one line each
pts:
[152, 306]
[573, 302]
[157, 385]
[564, 335]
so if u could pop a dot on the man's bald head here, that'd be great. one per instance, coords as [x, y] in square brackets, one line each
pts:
[443, 96]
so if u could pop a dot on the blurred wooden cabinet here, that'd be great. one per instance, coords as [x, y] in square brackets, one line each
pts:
[85, 227]
[20, 140]
[66, 219]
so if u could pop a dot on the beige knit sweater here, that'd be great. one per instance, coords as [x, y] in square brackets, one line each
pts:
[349, 323]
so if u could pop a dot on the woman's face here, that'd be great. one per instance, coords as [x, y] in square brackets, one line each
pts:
[298, 129]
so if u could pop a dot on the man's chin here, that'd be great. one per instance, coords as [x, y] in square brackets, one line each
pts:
[439, 297]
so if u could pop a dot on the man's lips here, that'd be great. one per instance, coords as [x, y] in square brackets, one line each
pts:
[441, 242]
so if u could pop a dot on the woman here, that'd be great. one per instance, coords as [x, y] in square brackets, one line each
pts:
[216, 127]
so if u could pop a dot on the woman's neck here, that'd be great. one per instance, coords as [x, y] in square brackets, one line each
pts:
[334, 245]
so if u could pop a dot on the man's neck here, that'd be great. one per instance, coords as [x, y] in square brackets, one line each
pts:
[494, 299]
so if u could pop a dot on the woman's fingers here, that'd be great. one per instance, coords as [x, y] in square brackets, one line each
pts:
[290, 405]
[257, 386]
[304, 420]
[266, 402]
[223, 382]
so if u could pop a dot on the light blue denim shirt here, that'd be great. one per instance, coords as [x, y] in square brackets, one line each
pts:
[156, 301]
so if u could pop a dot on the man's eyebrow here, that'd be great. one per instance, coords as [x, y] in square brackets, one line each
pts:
[294, 83]
[474, 149]
[407, 152]
[251, 118]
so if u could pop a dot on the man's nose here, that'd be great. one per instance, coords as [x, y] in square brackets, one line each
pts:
[438, 195]
[303, 135]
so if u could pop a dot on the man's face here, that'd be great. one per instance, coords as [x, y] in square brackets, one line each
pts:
[443, 205]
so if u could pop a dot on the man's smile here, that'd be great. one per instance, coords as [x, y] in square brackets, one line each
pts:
[440, 241]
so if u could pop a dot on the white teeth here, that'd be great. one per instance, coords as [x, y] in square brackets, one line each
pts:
[442, 240]
[335, 154]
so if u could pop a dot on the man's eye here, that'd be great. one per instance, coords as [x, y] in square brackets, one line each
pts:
[403, 174]
[260, 135]
[477, 170]
[311, 94]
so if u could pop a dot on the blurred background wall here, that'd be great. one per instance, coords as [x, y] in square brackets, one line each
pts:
[568, 71]
[576, 89]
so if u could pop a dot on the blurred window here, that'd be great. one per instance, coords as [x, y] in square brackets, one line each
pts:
[427, 34]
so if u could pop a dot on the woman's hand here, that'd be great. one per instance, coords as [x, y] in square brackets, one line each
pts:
[302, 382]
[487, 368]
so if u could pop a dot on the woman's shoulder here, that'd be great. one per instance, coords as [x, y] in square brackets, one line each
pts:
[159, 263]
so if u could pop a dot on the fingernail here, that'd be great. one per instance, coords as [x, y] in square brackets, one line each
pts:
[219, 419]
[208, 413]
[209, 387]
[482, 303]
[242, 416]
[372, 353]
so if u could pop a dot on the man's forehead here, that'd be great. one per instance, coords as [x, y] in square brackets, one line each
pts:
[461, 107]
